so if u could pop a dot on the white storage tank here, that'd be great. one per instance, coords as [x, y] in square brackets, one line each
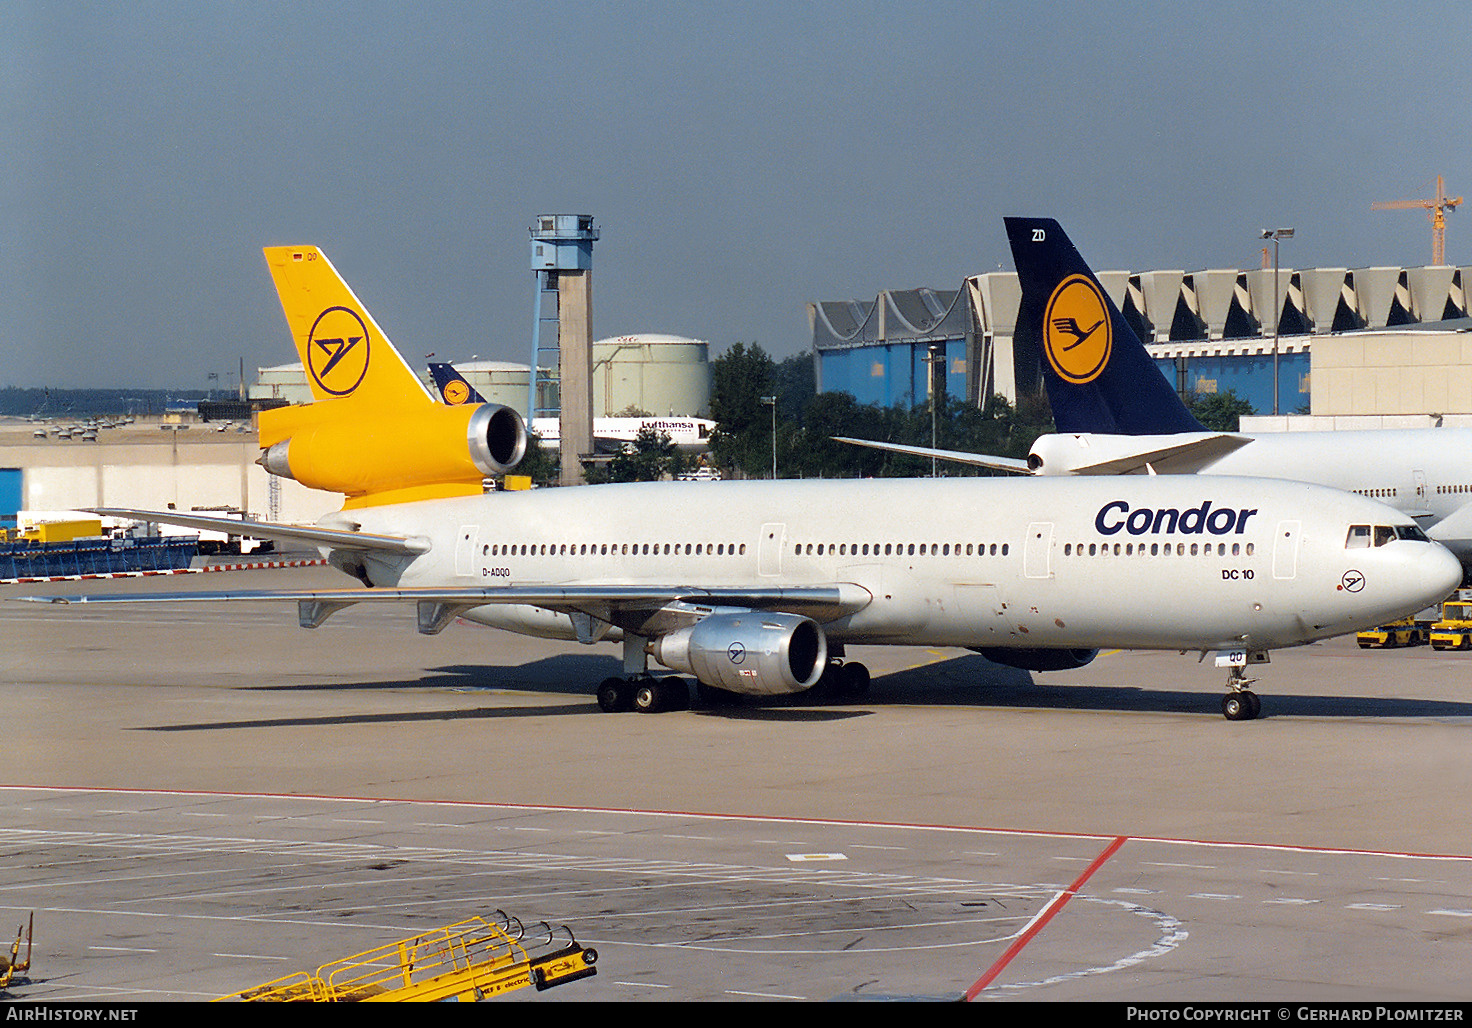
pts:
[661, 374]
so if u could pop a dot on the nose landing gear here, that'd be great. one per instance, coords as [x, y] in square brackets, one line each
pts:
[1240, 703]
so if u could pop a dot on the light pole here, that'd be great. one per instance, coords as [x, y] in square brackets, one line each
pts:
[771, 401]
[1276, 234]
[933, 357]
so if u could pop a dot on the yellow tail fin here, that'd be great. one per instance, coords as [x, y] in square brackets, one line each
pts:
[345, 354]
[374, 432]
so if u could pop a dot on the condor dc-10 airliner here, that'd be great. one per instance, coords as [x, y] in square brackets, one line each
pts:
[1117, 414]
[758, 587]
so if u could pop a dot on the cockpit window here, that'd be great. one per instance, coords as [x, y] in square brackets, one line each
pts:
[1363, 536]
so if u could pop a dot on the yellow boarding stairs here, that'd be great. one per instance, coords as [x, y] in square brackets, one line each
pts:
[11, 964]
[469, 960]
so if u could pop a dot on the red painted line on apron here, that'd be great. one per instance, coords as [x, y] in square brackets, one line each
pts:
[1043, 917]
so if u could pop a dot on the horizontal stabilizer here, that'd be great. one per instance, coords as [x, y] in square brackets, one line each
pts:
[1185, 458]
[338, 539]
[1011, 464]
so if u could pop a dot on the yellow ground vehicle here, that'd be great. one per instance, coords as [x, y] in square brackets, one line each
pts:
[470, 960]
[1404, 632]
[1454, 630]
[11, 964]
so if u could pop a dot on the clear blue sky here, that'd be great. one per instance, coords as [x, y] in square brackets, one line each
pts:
[741, 160]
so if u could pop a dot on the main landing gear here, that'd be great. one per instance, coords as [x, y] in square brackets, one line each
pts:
[644, 693]
[843, 681]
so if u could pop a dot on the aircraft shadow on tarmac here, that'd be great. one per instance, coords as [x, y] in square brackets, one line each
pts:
[964, 681]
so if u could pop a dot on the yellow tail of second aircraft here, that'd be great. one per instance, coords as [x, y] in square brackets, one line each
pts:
[344, 352]
[374, 432]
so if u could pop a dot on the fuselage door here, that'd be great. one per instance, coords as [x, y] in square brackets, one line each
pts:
[1285, 549]
[1420, 479]
[769, 550]
[1037, 554]
[465, 550]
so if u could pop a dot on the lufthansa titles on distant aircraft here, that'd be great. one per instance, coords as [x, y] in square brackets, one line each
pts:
[1077, 334]
[337, 350]
[1116, 515]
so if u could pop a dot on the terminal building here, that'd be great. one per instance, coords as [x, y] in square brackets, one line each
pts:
[182, 463]
[1376, 342]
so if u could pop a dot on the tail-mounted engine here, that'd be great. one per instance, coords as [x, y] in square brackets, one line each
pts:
[749, 652]
[344, 448]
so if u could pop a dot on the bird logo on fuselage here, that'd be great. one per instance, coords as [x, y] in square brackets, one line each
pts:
[1077, 353]
[337, 350]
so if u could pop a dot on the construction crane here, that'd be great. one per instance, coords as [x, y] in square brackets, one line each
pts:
[1437, 209]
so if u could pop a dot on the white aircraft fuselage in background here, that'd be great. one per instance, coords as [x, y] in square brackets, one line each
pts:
[690, 434]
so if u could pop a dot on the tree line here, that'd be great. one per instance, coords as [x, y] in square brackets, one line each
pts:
[750, 391]
[807, 422]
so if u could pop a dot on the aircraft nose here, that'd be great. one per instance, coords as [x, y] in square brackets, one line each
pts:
[1441, 573]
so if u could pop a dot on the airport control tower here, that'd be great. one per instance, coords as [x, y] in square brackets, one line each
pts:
[562, 260]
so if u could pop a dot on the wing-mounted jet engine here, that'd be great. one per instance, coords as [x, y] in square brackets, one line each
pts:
[755, 653]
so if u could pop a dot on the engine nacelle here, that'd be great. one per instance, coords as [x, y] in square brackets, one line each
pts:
[1038, 659]
[749, 652]
[341, 449]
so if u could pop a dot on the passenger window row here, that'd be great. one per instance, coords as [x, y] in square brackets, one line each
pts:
[900, 549]
[1449, 489]
[1156, 550]
[617, 549]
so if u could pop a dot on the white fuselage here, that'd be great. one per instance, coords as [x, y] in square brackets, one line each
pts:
[1424, 472]
[980, 562]
[691, 434]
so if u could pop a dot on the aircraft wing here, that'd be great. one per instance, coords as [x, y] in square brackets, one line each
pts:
[652, 609]
[1011, 464]
[340, 539]
[1184, 458]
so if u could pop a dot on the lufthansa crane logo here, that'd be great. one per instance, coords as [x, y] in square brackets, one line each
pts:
[337, 350]
[456, 392]
[1077, 334]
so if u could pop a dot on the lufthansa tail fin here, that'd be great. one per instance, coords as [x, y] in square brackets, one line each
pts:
[453, 387]
[1099, 376]
[344, 352]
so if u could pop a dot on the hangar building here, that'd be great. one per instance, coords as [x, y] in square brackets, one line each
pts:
[1367, 341]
